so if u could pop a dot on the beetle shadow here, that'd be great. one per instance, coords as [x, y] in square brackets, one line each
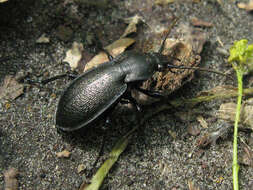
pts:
[87, 136]
[100, 131]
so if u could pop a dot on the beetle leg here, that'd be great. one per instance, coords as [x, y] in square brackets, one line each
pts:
[131, 100]
[110, 57]
[72, 76]
[164, 40]
[153, 94]
[100, 47]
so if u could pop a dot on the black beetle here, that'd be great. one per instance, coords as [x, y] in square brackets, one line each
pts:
[92, 94]
[95, 91]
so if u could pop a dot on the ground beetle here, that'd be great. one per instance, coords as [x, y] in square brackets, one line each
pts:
[90, 95]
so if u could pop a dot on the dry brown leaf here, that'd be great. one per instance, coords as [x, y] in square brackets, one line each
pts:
[131, 28]
[227, 111]
[43, 39]
[63, 154]
[247, 113]
[114, 49]
[197, 22]
[202, 121]
[11, 89]
[74, 55]
[247, 6]
[10, 179]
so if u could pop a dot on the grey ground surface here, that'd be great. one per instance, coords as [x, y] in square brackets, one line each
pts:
[154, 159]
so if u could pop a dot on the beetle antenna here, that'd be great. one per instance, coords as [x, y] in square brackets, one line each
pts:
[170, 28]
[200, 69]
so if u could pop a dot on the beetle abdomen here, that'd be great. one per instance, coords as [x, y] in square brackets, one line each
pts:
[88, 96]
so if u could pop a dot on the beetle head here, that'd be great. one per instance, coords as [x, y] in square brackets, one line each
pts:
[162, 61]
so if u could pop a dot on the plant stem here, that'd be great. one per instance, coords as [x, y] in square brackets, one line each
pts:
[239, 75]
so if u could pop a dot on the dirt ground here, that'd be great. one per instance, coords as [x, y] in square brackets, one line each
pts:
[162, 155]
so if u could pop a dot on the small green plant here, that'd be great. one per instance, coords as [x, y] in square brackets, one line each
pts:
[241, 58]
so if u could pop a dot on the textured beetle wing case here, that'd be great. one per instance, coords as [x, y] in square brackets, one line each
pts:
[89, 96]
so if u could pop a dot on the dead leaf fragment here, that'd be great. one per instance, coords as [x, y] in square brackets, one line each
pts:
[163, 2]
[202, 121]
[10, 179]
[80, 168]
[197, 22]
[119, 46]
[114, 49]
[247, 113]
[63, 154]
[43, 39]
[74, 55]
[11, 89]
[227, 111]
[247, 156]
[247, 6]
[131, 28]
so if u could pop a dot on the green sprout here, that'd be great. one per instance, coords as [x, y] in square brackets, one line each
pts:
[241, 58]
